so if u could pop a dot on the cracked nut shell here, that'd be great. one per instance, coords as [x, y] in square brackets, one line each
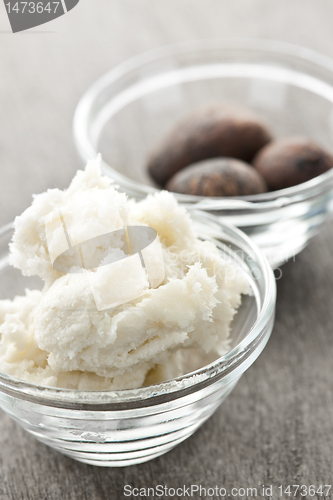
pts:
[218, 177]
[290, 161]
[210, 132]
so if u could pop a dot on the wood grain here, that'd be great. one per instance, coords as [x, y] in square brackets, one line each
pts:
[277, 426]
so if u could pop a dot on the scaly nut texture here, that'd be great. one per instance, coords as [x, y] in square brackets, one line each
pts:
[290, 161]
[210, 132]
[218, 177]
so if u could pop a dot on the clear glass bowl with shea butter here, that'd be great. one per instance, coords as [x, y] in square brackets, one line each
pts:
[120, 428]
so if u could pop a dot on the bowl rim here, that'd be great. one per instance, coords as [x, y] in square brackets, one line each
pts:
[270, 200]
[180, 386]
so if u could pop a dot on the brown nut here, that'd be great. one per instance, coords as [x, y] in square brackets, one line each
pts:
[290, 161]
[210, 132]
[218, 177]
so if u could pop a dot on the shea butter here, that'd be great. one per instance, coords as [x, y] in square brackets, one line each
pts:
[125, 322]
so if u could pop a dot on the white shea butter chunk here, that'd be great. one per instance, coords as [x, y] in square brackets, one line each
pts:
[90, 207]
[79, 337]
[61, 337]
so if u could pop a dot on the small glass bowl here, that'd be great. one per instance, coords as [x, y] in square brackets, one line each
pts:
[118, 428]
[127, 111]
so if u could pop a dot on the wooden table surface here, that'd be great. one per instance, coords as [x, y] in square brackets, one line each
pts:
[277, 426]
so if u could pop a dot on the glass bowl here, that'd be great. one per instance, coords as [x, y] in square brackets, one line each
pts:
[127, 111]
[118, 428]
